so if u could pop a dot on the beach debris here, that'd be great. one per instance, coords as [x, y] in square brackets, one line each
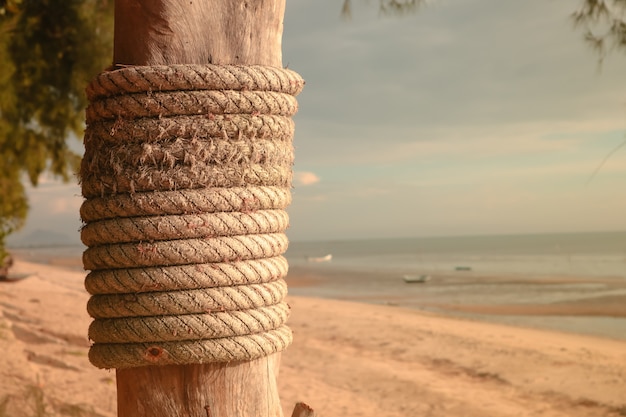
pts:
[302, 410]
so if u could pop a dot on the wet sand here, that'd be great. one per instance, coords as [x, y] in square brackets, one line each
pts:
[605, 306]
[348, 358]
[585, 305]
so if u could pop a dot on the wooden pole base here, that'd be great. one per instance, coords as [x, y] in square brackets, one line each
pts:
[202, 390]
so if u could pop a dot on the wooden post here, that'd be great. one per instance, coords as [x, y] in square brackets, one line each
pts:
[208, 390]
[165, 32]
[162, 32]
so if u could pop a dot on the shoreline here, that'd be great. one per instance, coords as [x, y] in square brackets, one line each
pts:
[596, 313]
[593, 306]
[348, 358]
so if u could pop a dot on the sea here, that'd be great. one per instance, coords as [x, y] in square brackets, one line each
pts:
[504, 270]
[520, 270]
[600, 254]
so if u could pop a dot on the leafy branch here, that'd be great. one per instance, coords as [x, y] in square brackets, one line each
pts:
[386, 7]
[604, 25]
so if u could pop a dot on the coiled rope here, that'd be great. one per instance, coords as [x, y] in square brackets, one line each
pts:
[186, 176]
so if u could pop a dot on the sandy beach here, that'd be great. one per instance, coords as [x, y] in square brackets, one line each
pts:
[347, 359]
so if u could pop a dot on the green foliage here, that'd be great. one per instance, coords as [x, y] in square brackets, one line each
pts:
[604, 24]
[386, 7]
[13, 205]
[49, 50]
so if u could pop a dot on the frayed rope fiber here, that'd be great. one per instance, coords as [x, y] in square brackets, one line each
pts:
[186, 177]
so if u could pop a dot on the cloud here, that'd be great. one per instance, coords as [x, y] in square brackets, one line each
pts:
[439, 81]
[304, 178]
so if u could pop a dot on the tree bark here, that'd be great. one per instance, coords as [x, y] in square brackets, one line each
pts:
[166, 32]
[6, 263]
[162, 32]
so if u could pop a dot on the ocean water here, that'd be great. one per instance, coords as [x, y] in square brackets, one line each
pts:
[567, 254]
[519, 270]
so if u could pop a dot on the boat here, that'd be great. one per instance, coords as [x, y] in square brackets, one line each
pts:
[416, 279]
[463, 268]
[326, 258]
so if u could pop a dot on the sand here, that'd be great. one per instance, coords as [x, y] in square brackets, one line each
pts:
[348, 359]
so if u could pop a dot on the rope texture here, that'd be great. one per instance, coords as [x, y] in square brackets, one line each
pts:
[186, 176]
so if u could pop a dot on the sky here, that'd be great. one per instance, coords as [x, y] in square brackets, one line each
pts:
[469, 117]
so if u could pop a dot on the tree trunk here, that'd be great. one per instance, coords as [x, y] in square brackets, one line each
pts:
[161, 32]
[6, 262]
[165, 32]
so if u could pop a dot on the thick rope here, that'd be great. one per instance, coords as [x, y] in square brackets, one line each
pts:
[184, 251]
[186, 175]
[146, 130]
[191, 152]
[226, 349]
[188, 103]
[181, 302]
[150, 229]
[194, 326]
[203, 200]
[131, 180]
[195, 77]
[182, 277]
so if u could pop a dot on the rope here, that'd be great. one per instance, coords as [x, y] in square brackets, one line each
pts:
[186, 301]
[186, 176]
[194, 326]
[181, 277]
[133, 179]
[184, 251]
[226, 349]
[191, 152]
[146, 130]
[167, 227]
[204, 200]
[194, 77]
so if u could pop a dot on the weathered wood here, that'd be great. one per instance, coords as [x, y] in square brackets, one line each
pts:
[157, 32]
[208, 390]
[302, 410]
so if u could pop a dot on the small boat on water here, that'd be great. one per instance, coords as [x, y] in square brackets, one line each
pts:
[326, 258]
[416, 279]
[463, 268]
